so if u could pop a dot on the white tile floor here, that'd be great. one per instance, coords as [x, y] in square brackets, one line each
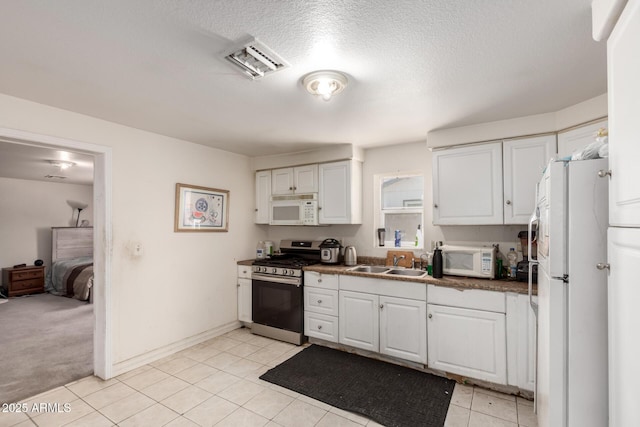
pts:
[216, 383]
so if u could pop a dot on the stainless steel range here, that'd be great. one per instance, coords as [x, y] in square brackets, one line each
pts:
[276, 284]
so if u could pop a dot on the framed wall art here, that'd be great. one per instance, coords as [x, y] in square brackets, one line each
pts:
[201, 208]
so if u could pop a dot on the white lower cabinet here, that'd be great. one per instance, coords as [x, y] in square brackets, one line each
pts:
[244, 294]
[384, 324]
[467, 342]
[403, 328]
[359, 320]
[321, 306]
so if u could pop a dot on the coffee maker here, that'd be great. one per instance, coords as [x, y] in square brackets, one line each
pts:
[522, 273]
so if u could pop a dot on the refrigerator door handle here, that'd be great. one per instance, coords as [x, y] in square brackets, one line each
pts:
[535, 217]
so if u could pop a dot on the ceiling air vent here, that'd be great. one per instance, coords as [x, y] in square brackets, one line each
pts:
[255, 60]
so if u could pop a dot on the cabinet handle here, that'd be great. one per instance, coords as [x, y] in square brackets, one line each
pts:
[319, 280]
[290, 188]
[508, 202]
[381, 306]
[295, 188]
[435, 206]
[244, 272]
[603, 266]
[238, 285]
[319, 301]
[319, 327]
[430, 315]
[319, 208]
[603, 173]
[256, 209]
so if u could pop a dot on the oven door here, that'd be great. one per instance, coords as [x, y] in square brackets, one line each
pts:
[277, 302]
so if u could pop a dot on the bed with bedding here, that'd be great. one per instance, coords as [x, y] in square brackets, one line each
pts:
[71, 271]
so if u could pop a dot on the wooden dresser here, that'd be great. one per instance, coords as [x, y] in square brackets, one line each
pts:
[23, 280]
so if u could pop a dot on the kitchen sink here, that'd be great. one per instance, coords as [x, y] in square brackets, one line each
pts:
[413, 273]
[369, 269]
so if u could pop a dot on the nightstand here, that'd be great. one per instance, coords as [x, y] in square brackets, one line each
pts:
[23, 280]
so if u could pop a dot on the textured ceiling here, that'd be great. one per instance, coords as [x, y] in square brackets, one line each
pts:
[414, 66]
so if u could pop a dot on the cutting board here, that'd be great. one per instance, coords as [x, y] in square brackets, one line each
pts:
[406, 262]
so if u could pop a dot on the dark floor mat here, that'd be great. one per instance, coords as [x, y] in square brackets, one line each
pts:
[389, 394]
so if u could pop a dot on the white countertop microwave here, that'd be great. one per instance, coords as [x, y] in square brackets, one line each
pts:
[470, 261]
[296, 209]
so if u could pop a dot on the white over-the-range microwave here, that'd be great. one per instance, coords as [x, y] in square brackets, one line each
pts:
[297, 209]
[471, 261]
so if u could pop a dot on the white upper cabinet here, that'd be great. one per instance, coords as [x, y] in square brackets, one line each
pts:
[263, 193]
[524, 160]
[578, 138]
[467, 185]
[300, 180]
[340, 192]
[623, 64]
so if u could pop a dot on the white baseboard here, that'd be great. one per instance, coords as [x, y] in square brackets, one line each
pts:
[159, 353]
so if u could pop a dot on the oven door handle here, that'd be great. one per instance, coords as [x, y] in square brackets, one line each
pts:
[277, 279]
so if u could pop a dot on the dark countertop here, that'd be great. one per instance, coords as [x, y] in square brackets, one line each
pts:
[447, 281]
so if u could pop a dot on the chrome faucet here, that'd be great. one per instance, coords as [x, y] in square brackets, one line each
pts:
[396, 259]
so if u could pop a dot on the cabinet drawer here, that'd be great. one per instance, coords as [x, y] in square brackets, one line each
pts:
[318, 300]
[468, 298]
[319, 280]
[23, 285]
[244, 271]
[27, 274]
[321, 326]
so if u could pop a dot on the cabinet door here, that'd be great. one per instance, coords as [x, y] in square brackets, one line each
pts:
[244, 300]
[403, 328]
[263, 192]
[467, 185]
[624, 318]
[526, 348]
[467, 342]
[524, 160]
[624, 130]
[359, 319]
[282, 181]
[305, 179]
[575, 139]
[335, 193]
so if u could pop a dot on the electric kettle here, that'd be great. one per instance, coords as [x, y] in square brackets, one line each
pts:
[350, 257]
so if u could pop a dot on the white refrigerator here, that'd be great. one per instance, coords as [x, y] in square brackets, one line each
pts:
[572, 217]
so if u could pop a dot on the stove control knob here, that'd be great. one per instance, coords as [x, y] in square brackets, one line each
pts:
[274, 271]
[292, 273]
[263, 269]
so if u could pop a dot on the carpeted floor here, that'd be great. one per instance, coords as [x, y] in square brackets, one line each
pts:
[389, 394]
[45, 341]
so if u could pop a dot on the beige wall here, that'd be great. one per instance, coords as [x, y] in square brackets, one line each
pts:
[185, 283]
[28, 210]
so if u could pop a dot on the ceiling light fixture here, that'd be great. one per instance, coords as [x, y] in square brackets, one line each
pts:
[61, 164]
[324, 84]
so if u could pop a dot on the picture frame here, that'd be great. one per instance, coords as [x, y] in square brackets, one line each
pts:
[201, 209]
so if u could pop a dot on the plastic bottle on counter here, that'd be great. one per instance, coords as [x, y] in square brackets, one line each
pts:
[397, 238]
[437, 262]
[419, 237]
[512, 257]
